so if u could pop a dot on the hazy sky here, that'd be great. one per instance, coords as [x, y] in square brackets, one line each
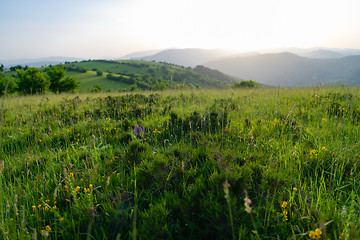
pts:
[113, 28]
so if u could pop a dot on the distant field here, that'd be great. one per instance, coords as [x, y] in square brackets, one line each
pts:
[89, 79]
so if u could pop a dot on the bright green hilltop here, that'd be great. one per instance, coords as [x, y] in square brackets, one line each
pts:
[145, 75]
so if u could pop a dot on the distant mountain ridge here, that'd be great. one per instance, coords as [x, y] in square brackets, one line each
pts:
[189, 57]
[38, 62]
[139, 55]
[322, 54]
[294, 67]
[290, 70]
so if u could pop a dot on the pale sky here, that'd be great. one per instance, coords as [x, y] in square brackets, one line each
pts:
[113, 28]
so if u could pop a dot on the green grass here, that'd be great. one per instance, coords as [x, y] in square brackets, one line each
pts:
[210, 164]
[89, 79]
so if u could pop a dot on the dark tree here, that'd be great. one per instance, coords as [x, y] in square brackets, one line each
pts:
[2, 68]
[13, 69]
[3, 82]
[56, 76]
[246, 84]
[32, 81]
[7, 83]
[68, 84]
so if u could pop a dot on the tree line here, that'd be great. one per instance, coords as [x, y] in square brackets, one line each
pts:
[32, 80]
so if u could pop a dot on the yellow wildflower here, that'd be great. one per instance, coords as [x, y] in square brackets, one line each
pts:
[343, 236]
[295, 189]
[285, 212]
[34, 208]
[48, 228]
[284, 204]
[77, 189]
[315, 234]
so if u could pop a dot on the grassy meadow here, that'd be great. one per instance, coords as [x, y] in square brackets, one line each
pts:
[90, 79]
[196, 164]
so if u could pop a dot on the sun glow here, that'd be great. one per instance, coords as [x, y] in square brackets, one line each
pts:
[243, 25]
[114, 28]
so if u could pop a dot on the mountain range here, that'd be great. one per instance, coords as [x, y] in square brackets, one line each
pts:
[290, 70]
[38, 62]
[284, 67]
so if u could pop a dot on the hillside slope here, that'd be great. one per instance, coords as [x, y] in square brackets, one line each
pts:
[124, 74]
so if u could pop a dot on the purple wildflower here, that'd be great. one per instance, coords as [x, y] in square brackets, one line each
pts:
[138, 129]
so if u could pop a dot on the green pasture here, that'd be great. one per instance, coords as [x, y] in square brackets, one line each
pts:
[196, 164]
[89, 79]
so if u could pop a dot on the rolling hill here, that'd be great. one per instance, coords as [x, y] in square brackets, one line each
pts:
[126, 74]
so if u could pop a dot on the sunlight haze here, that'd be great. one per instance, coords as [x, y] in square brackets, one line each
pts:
[111, 29]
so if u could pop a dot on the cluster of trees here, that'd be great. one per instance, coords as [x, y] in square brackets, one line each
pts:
[14, 68]
[74, 68]
[135, 65]
[131, 64]
[246, 84]
[140, 81]
[33, 80]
